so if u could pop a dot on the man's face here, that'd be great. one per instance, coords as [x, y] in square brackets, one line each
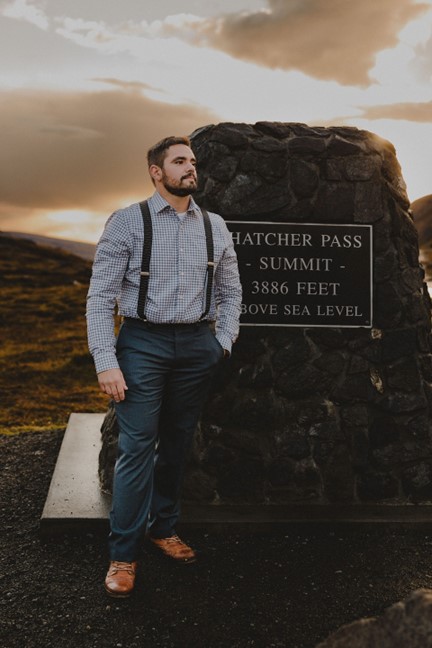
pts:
[179, 176]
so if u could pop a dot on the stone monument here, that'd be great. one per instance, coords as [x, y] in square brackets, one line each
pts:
[327, 397]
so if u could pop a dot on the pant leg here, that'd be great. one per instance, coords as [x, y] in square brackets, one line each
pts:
[197, 355]
[145, 360]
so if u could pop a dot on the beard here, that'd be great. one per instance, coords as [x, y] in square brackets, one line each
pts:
[178, 189]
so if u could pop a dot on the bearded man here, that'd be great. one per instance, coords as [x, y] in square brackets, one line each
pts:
[172, 270]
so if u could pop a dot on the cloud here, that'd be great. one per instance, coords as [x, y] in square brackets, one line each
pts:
[422, 65]
[71, 151]
[326, 39]
[27, 11]
[415, 112]
[131, 86]
[331, 40]
[88, 33]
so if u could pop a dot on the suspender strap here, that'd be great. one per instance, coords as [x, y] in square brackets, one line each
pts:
[146, 256]
[145, 263]
[210, 260]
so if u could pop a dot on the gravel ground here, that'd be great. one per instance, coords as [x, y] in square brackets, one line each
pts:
[287, 589]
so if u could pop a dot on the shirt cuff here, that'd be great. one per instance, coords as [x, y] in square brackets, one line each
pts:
[105, 361]
[224, 340]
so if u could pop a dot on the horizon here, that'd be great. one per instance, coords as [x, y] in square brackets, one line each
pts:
[86, 88]
[95, 241]
[45, 236]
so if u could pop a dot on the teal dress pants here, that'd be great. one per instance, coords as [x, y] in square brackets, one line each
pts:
[168, 369]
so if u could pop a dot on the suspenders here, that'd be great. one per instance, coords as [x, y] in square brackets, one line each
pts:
[210, 261]
[145, 263]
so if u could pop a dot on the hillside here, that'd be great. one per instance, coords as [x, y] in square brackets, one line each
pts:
[422, 212]
[84, 250]
[45, 369]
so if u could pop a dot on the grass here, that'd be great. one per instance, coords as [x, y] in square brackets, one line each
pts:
[46, 371]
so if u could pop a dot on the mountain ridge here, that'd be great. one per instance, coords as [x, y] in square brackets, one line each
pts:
[78, 248]
[422, 214]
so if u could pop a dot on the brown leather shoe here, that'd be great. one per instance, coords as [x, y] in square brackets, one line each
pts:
[120, 579]
[175, 549]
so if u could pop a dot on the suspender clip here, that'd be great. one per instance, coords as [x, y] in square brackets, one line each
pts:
[145, 274]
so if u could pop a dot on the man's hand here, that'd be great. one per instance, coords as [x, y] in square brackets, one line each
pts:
[112, 383]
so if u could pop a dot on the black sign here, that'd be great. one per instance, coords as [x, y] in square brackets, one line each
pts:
[304, 274]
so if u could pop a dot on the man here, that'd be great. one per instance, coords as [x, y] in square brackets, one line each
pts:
[172, 270]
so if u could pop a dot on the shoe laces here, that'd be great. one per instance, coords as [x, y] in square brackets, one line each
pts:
[174, 539]
[117, 566]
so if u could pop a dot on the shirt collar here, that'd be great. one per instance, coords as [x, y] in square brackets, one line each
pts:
[159, 204]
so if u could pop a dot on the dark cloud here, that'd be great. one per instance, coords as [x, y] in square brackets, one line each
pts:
[81, 150]
[415, 112]
[327, 39]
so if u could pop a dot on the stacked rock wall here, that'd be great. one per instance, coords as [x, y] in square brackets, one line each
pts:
[318, 415]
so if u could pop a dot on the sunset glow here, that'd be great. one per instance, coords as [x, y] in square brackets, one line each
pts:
[86, 88]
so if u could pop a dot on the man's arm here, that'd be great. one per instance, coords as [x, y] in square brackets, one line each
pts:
[228, 294]
[109, 267]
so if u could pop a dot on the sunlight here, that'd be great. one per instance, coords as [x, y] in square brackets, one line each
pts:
[73, 224]
[70, 215]
[411, 142]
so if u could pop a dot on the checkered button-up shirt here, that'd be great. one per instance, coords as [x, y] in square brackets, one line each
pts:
[178, 271]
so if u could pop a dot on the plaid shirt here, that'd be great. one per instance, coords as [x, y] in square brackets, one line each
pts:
[178, 271]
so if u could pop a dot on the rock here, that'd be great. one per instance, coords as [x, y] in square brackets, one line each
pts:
[315, 414]
[376, 486]
[407, 624]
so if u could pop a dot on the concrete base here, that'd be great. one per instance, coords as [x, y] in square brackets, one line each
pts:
[75, 500]
[76, 503]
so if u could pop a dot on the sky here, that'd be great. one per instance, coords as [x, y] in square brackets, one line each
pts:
[86, 86]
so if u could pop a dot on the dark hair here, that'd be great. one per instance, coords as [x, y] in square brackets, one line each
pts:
[157, 153]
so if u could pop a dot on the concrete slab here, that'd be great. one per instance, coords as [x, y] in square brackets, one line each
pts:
[76, 503]
[74, 497]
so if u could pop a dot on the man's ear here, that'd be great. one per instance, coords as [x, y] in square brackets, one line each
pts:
[155, 172]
